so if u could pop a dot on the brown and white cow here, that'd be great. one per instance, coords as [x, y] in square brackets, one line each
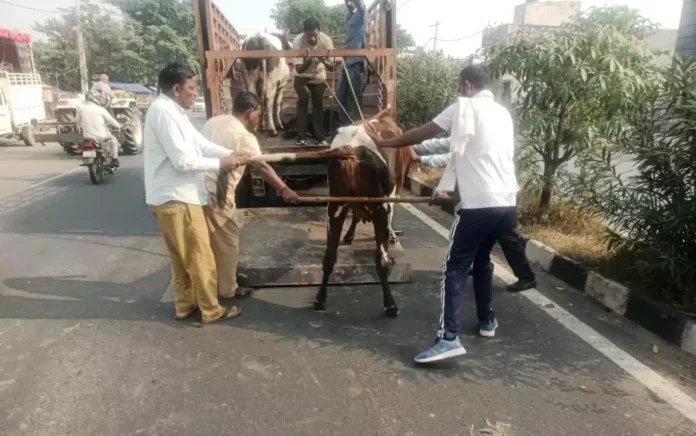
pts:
[358, 168]
[266, 77]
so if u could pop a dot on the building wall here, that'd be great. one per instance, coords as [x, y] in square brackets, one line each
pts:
[550, 13]
[686, 38]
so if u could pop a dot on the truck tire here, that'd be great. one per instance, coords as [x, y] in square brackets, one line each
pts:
[70, 148]
[133, 132]
[27, 136]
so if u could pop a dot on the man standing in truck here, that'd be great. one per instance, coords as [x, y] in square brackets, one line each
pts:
[350, 79]
[310, 80]
[235, 132]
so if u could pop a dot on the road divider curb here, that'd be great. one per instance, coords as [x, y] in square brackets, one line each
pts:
[673, 327]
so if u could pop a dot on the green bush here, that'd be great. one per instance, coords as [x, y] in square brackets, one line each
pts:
[427, 84]
[652, 213]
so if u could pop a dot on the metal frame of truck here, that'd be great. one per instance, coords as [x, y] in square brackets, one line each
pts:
[219, 46]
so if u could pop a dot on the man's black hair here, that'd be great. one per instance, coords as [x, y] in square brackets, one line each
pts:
[311, 24]
[476, 75]
[243, 102]
[175, 73]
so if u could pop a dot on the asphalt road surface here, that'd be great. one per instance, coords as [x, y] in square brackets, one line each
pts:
[88, 347]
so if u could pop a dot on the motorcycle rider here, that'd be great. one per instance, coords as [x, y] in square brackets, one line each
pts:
[94, 120]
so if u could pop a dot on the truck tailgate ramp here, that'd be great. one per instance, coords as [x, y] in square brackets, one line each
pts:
[285, 247]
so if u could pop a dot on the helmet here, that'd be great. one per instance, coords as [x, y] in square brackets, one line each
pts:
[96, 97]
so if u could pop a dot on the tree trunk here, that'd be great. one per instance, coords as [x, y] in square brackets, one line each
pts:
[547, 185]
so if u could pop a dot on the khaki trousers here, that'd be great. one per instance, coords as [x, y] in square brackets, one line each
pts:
[194, 277]
[224, 239]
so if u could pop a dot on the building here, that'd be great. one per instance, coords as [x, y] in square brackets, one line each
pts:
[533, 15]
[686, 38]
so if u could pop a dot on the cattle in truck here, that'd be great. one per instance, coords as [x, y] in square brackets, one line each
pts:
[266, 77]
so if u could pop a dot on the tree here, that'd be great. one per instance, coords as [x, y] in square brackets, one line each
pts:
[132, 46]
[427, 83]
[573, 83]
[288, 16]
[404, 40]
[108, 43]
[165, 32]
[652, 212]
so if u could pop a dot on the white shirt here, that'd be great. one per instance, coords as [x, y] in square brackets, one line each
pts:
[176, 156]
[93, 120]
[481, 163]
[229, 132]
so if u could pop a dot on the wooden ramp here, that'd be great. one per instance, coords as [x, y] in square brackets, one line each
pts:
[285, 247]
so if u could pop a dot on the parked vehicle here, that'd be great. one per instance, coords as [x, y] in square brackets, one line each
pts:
[123, 108]
[21, 105]
[96, 162]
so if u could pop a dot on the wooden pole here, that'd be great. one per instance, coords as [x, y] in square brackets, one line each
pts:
[364, 200]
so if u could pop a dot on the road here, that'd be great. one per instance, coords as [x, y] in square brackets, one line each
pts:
[89, 348]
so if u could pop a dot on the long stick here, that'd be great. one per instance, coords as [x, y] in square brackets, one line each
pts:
[364, 200]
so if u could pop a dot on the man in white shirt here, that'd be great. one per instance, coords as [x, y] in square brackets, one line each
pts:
[176, 158]
[95, 120]
[481, 165]
[236, 133]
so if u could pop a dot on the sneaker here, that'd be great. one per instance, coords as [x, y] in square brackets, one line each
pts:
[321, 143]
[441, 350]
[301, 141]
[522, 285]
[487, 328]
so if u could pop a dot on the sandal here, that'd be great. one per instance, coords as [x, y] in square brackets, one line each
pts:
[229, 313]
[185, 317]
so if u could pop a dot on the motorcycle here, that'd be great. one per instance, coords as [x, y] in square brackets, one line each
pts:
[94, 158]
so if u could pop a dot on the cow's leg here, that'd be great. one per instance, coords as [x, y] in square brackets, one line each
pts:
[269, 95]
[277, 106]
[393, 239]
[380, 220]
[350, 234]
[337, 215]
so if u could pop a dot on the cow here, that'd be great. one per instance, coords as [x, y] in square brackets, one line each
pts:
[266, 77]
[358, 168]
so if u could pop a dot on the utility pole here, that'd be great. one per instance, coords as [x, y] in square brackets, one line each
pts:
[436, 26]
[81, 49]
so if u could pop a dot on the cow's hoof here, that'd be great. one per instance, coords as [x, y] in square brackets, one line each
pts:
[346, 241]
[392, 311]
[272, 134]
[318, 305]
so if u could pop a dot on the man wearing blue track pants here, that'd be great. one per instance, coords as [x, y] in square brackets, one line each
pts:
[481, 165]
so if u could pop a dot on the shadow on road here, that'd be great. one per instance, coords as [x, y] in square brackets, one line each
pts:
[534, 353]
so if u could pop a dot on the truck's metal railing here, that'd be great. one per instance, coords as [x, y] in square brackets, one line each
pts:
[219, 69]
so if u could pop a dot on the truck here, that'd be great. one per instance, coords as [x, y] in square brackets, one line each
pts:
[219, 46]
[280, 245]
[21, 105]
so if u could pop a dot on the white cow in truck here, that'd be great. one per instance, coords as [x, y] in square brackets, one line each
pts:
[266, 77]
[21, 105]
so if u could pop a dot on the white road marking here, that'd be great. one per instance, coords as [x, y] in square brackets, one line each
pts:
[57, 176]
[646, 376]
[167, 297]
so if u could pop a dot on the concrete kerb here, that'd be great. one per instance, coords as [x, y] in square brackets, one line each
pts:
[610, 294]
